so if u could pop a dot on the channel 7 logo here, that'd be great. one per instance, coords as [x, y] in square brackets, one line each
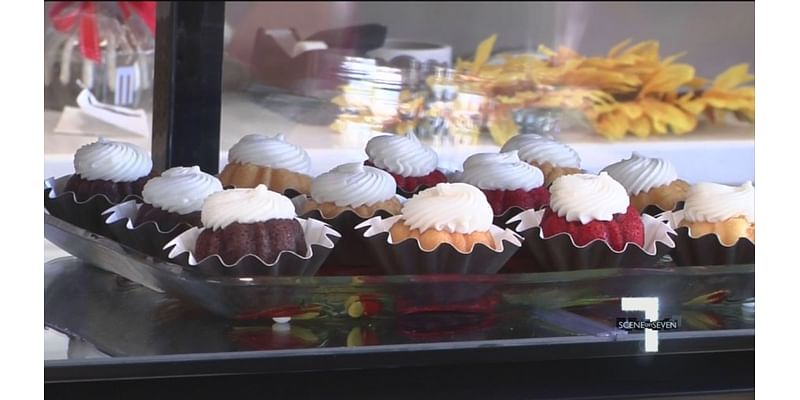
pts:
[650, 324]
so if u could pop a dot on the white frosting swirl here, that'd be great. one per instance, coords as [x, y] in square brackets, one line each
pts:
[353, 185]
[587, 197]
[112, 161]
[180, 190]
[245, 206]
[450, 207]
[640, 174]
[539, 149]
[272, 152]
[501, 171]
[712, 202]
[402, 155]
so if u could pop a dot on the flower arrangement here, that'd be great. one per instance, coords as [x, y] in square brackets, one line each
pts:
[631, 90]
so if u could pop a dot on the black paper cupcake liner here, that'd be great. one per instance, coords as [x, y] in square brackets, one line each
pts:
[707, 249]
[560, 253]
[320, 241]
[408, 258]
[83, 214]
[147, 237]
[654, 210]
[350, 249]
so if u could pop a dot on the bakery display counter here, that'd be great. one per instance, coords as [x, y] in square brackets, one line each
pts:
[359, 215]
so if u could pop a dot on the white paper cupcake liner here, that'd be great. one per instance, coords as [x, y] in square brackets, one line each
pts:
[147, 237]
[83, 214]
[408, 257]
[560, 253]
[707, 249]
[320, 240]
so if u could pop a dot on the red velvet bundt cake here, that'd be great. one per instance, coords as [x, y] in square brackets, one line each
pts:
[590, 207]
[411, 163]
[503, 200]
[506, 181]
[415, 184]
[256, 221]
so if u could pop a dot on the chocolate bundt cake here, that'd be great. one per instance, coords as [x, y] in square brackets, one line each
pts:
[263, 239]
[238, 222]
[166, 220]
[176, 197]
[115, 191]
[113, 169]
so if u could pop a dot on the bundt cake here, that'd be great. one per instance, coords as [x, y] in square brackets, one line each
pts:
[728, 211]
[113, 169]
[362, 189]
[590, 207]
[649, 181]
[453, 213]
[271, 161]
[176, 197]
[553, 158]
[409, 161]
[506, 181]
[259, 222]
[115, 191]
[263, 239]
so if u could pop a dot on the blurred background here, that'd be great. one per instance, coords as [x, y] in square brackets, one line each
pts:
[714, 34]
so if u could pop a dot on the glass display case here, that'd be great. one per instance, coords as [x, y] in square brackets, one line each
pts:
[510, 199]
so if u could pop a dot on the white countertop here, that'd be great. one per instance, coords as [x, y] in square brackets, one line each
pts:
[722, 153]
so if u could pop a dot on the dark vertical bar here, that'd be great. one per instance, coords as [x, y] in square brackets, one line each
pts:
[188, 84]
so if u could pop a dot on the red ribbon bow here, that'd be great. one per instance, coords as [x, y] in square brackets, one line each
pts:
[66, 15]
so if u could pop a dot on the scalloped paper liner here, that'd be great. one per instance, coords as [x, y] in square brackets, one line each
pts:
[707, 249]
[320, 240]
[349, 251]
[654, 210]
[146, 237]
[408, 258]
[83, 214]
[560, 253]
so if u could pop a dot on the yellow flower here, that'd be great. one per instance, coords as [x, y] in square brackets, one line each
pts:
[641, 117]
[727, 95]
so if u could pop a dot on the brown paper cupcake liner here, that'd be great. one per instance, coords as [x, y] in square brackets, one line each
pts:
[707, 249]
[408, 257]
[147, 237]
[83, 214]
[320, 240]
[560, 253]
